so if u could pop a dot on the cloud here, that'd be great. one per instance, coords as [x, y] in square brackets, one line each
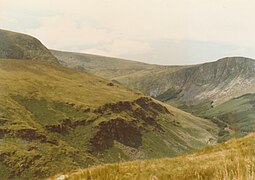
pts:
[66, 33]
[122, 48]
[130, 28]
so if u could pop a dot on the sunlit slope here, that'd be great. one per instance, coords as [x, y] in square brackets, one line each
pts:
[55, 119]
[231, 160]
[21, 46]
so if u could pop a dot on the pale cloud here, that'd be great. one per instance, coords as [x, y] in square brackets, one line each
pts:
[66, 33]
[130, 28]
[122, 47]
[63, 33]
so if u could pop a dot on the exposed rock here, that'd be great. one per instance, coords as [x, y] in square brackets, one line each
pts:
[127, 133]
[110, 84]
[115, 107]
[148, 104]
[30, 134]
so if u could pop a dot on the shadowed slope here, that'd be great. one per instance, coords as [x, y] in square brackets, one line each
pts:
[20, 46]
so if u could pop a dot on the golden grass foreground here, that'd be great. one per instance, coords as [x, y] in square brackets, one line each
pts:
[233, 160]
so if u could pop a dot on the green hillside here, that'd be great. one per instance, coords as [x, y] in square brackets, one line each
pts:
[57, 119]
[231, 160]
[235, 117]
[54, 119]
[20, 46]
[205, 90]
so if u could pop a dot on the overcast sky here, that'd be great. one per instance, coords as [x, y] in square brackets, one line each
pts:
[153, 31]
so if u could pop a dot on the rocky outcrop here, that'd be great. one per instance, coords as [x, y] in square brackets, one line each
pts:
[144, 113]
[121, 130]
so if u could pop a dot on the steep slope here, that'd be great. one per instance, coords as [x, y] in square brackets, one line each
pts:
[235, 117]
[231, 160]
[218, 82]
[55, 119]
[204, 90]
[20, 46]
[178, 85]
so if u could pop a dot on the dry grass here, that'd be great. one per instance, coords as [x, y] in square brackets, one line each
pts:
[232, 160]
[57, 83]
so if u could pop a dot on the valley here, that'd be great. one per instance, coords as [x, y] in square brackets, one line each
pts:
[217, 81]
[58, 115]
[210, 90]
[55, 119]
[123, 90]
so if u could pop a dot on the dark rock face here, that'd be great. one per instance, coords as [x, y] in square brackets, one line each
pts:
[143, 111]
[61, 128]
[30, 134]
[3, 132]
[144, 102]
[115, 107]
[140, 113]
[149, 105]
[127, 133]
[143, 114]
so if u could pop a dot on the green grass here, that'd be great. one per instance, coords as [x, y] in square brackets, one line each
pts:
[235, 117]
[168, 95]
[53, 117]
[199, 89]
[237, 113]
[200, 109]
[46, 112]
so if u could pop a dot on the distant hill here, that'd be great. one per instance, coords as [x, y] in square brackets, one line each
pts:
[178, 85]
[108, 67]
[222, 91]
[231, 160]
[20, 46]
[217, 81]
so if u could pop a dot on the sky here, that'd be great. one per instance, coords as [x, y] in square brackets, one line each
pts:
[154, 31]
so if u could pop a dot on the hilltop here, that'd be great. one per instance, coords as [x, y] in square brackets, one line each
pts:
[217, 81]
[15, 45]
[108, 67]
